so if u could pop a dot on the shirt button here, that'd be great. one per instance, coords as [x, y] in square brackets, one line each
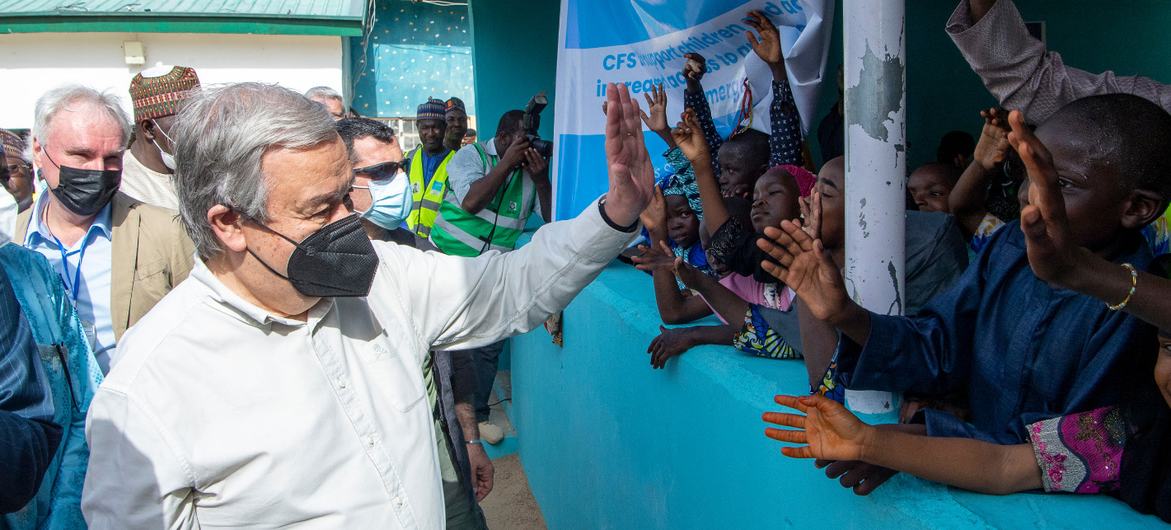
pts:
[341, 383]
[398, 502]
[370, 441]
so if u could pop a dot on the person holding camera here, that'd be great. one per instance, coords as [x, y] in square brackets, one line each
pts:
[493, 189]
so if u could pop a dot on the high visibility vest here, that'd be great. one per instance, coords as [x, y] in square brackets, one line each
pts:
[497, 226]
[427, 196]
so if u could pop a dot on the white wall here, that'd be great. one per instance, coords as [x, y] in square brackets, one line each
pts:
[31, 63]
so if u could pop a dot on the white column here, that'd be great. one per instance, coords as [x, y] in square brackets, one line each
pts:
[876, 165]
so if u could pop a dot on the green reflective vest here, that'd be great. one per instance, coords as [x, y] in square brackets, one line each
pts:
[497, 226]
[427, 199]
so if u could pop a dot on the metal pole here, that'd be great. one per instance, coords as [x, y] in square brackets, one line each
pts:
[876, 165]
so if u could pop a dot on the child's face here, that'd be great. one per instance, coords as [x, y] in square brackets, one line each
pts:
[929, 186]
[736, 179]
[831, 184]
[774, 199]
[1094, 202]
[1163, 368]
[682, 225]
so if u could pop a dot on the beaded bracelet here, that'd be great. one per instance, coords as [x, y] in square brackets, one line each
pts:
[1133, 284]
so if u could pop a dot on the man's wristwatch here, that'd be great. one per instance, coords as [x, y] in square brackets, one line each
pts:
[627, 229]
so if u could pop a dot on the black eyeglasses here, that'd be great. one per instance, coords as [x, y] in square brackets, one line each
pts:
[383, 171]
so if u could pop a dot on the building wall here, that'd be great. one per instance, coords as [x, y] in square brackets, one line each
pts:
[607, 442]
[32, 63]
[515, 56]
[1127, 36]
[415, 51]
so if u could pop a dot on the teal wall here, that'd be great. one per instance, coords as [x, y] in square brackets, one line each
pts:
[515, 56]
[1127, 36]
[415, 51]
[607, 442]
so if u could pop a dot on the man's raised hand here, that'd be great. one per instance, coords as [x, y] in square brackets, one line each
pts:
[632, 178]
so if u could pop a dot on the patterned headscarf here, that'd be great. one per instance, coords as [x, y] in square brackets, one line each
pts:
[155, 97]
[454, 104]
[683, 183]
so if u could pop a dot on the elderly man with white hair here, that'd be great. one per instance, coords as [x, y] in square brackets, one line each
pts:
[116, 256]
[280, 385]
[330, 99]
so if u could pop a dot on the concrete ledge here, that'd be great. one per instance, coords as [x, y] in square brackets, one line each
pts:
[607, 442]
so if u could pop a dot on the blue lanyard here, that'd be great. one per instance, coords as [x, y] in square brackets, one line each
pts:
[71, 286]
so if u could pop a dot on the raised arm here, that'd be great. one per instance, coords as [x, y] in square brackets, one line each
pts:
[785, 123]
[474, 302]
[1056, 259]
[694, 99]
[971, 190]
[1019, 71]
[674, 308]
[688, 138]
[828, 431]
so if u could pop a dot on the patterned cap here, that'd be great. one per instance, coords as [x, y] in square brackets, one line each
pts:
[805, 179]
[13, 146]
[683, 183]
[155, 97]
[431, 110]
[454, 104]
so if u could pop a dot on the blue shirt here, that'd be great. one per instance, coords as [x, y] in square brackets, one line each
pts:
[89, 288]
[1022, 350]
[431, 164]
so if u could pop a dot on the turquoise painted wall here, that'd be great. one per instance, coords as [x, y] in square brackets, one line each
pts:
[515, 56]
[607, 442]
[1127, 36]
[414, 51]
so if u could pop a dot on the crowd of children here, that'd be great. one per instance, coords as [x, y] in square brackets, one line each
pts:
[1034, 292]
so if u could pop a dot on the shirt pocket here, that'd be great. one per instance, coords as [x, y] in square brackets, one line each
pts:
[392, 376]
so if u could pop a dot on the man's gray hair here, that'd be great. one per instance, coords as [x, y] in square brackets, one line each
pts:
[221, 134]
[323, 92]
[53, 101]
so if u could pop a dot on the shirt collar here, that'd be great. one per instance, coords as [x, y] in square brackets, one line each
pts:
[490, 147]
[247, 311]
[37, 229]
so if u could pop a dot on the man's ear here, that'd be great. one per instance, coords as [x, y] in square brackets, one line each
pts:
[148, 129]
[1142, 208]
[225, 222]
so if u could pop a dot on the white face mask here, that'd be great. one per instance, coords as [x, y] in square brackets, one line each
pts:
[168, 158]
[391, 201]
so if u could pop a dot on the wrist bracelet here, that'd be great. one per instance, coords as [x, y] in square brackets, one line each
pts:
[1133, 285]
[627, 229]
[477, 441]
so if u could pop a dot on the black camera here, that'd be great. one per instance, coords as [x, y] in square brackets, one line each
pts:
[532, 121]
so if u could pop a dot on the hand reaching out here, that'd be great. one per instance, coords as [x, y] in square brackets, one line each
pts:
[656, 104]
[803, 264]
[1053, 255]
[689, 137]
[828, 430]
[670, 343]
[694, 68]
[993, 145]
[483, 473]
[654, 217]
[656, 258]
[768, 46]
[632, 178]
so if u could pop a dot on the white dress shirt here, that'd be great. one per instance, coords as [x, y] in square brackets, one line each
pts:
[219, 414]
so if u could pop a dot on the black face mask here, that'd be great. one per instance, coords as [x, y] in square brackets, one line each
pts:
[336, 261]
[85, 191]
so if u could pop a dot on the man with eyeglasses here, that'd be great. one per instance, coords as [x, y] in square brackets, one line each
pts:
[20, 170]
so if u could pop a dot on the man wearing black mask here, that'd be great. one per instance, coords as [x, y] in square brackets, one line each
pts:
[116, 256]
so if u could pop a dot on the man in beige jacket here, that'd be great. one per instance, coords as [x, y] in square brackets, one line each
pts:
[116, 256]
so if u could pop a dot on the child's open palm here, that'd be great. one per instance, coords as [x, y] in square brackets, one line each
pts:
[993, 145]
[1051, 250]
[655, 116]
[689, 137]
[828, 430]
[803, 264]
